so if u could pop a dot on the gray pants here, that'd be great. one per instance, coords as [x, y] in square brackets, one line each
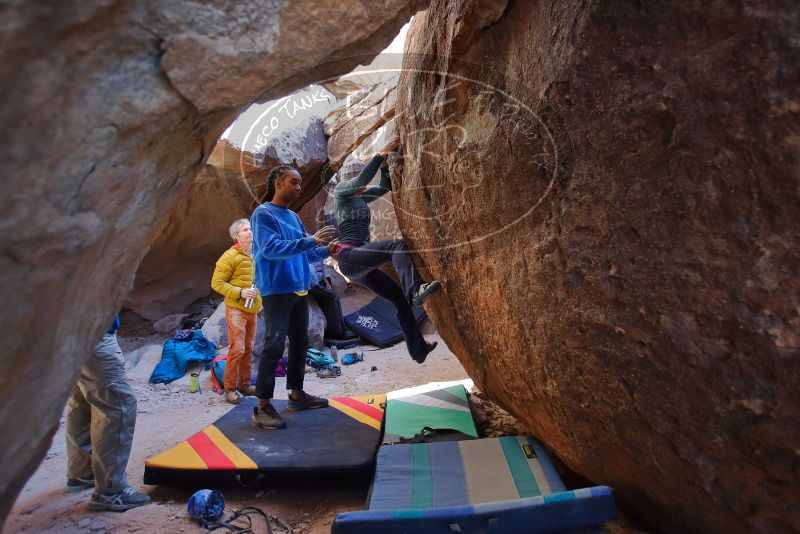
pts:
[101, 415]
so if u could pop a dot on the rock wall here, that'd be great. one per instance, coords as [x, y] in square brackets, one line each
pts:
[108, 111]
[609, 193]
[355, 118]
[244, 171]
[177, 268]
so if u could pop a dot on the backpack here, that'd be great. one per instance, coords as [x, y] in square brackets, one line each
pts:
[218, 365]
[318, 359]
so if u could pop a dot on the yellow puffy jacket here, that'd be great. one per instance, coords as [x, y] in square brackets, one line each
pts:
[235, 271]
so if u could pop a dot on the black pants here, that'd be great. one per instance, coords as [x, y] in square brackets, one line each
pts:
[329, 303]
[284, 314]
[362, 265]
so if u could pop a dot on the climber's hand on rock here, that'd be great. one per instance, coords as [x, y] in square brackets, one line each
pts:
[249, 293]
[332, 246]
[324, 234]
[391, 146]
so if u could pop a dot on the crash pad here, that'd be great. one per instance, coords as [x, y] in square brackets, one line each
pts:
[566, 511]
[439, 408]
[377, 322]
[336, 441]
[502, 482]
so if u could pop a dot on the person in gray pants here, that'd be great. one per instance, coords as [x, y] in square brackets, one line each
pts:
[101, 415]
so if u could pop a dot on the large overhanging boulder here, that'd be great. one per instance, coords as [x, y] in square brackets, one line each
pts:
[609, 193]
[107, 111]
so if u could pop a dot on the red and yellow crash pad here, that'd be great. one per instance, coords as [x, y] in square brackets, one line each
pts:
[340, 440]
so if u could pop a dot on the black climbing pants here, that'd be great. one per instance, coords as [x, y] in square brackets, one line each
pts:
[362, 265]
[284, 314]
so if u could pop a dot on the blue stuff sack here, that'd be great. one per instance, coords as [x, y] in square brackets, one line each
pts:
[206, 506]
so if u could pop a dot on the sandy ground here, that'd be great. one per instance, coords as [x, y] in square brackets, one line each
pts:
[169, 413]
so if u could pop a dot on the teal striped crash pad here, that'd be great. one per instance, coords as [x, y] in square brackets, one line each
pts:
[507, 484]
[454, 473]
[437, 408]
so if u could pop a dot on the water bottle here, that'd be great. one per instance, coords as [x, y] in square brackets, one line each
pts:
[194, 383]
[248, 303]
[334, 354]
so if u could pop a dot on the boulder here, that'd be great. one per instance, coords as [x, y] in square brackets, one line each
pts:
[109, 111]
[215, 328]
[345, 109]
[139, 363]
[338, 283]
[316, 326]
[170, 323]
[243, 171]
[608, 192]
[176, 271]
[352, 122]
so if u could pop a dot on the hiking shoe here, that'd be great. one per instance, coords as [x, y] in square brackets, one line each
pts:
[117, 502]
[267, 418]
[80, 483]
[248, 391]
[306, 402]
[425, 291]
[233, 396]
[430, 347]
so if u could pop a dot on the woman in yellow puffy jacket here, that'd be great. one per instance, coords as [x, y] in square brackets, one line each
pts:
[234, 278]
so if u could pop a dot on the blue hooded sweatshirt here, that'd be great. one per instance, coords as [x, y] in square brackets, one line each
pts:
[282, 251]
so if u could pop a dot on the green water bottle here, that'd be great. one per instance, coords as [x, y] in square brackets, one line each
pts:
[194, 383]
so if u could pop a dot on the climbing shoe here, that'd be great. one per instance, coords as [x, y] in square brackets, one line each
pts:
[428, 349]
[80, 483]
[267, 418]
[306, 402]
[248, 391]
[233, 396]
[117, 502]
[425, 291]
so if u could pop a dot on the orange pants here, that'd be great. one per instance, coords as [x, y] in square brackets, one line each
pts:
[241, 336]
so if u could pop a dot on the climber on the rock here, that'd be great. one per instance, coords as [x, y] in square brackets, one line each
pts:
[360, 260]
[282, 251]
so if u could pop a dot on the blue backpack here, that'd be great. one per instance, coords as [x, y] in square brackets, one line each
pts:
[218, 365]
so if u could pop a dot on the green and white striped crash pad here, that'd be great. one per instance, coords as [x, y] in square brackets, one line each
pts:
[437, 405]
